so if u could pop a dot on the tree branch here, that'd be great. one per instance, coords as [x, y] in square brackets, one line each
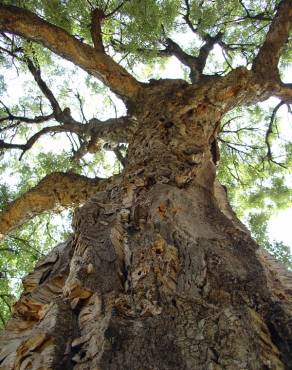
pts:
[20, 119]
[118, 130]
[120, 156]
[267, 59]
[196, 64]
[187, 19]
[114, 130]
[55, 191]
[50, 129]
[75, 128]
[97, 16]
[36, 72]
[190, 61]
[260, 17]
[28, 25]
[284, 92]
[269, 131]
[206, 48]
[62, 116]
[110, 14]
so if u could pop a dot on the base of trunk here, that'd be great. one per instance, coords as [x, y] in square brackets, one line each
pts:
[158, 279]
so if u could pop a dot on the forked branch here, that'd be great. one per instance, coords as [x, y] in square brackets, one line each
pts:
[196, 64]
[24, 23]
[117, 130]
[15, 120]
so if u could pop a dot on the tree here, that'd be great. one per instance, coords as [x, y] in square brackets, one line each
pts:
[159, 273]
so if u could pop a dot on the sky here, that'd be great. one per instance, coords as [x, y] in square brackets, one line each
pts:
[280, 227]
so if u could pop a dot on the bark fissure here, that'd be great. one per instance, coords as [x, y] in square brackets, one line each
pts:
[161, 274]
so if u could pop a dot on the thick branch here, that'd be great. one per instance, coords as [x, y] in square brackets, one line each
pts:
[206, 48]
[188, 60]
[267, 60]
[97, 17]
[28, 25]
[284, 92]
[54, 192]
[117, 130]
[196, 64]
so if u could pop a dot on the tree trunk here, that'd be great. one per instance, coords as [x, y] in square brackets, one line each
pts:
[159, 274]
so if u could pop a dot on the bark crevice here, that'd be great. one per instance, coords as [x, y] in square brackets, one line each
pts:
[160, 273]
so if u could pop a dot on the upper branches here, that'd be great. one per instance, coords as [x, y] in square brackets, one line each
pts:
[97, 16]
[16, 120]
[270, 132]
[196, 64]
[267, 60]
[116, 130]
[28, 25]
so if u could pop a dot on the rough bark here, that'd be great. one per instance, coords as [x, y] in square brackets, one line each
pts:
[266, 62]
[54, 192]
[96, 133]
[159, 274]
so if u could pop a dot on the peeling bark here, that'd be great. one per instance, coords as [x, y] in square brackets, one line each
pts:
[54, 192]
[159, 274]
[168, 283]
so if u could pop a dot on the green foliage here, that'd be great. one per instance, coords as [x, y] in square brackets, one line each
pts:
[258, 223]
[257, 187]
[20, 251]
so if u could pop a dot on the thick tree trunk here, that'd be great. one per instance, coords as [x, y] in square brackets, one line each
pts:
[159, 274]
